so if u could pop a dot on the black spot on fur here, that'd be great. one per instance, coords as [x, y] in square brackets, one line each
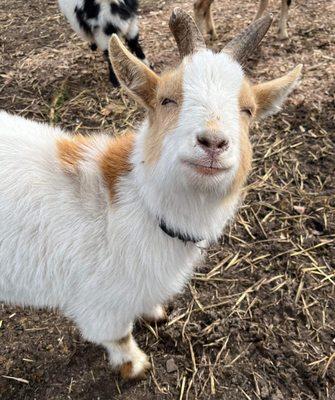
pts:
[82, 20]
[90, 10]
[135, 47]
[126, 9]
[109, 29]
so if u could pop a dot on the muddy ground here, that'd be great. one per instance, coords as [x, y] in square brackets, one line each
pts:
[258, 319]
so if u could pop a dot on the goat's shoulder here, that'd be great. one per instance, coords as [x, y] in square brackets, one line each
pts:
[105, 156]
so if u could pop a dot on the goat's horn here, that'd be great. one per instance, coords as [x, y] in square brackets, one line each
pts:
[245, 43]
[187, 35]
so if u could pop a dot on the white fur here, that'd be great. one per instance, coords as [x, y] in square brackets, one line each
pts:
[210, 81]
[64, 244]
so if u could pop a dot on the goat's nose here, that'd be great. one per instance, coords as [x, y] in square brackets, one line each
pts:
[212, 143]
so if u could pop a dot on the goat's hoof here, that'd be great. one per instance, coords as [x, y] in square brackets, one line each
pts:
[135, 369]
[93, 46]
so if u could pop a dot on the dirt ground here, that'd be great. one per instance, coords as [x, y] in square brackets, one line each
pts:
[258, 319]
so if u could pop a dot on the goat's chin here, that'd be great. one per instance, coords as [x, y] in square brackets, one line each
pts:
[208, 179]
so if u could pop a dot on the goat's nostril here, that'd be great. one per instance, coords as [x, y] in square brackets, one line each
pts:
[223, 144]
[203, 141]
[212, 143]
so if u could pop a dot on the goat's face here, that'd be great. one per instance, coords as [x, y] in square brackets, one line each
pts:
[197, 126]
[199, 116]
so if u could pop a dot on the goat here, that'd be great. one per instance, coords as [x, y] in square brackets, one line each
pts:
[96, 20]
[204, 18]
[107, 229]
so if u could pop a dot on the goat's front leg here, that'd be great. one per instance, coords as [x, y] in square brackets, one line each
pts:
[156, 314]
[109, 328]
[133, 42]
[127, 357]
[112, 77]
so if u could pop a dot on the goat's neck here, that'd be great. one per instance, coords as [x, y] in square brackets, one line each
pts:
[183, 208]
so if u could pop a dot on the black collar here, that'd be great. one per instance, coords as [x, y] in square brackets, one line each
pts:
[175, 234]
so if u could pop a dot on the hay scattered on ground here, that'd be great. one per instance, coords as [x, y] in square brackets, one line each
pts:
[257, 320]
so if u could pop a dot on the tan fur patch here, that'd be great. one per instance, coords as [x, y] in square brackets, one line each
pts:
[268, 93]
[126, 370]
[115, 160]
[164, 118]
[247, 97]
[246, 100]
[213, 125]
[125, 340]
[245, 161]
[71, 151]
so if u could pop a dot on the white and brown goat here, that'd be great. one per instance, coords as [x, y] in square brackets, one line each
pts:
[204, 18]
[106, 229]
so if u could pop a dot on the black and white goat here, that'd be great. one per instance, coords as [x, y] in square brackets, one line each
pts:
[97, 20]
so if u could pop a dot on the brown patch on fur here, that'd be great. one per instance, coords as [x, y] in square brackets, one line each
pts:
[71, 151]
[164, 118]
[245, 161]
[246, 100]
[247, 97]
[125, 340]
[126, 370]
[115, 160]
[213, 125]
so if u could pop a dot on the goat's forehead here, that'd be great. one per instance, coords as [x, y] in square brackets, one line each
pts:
[212, 73]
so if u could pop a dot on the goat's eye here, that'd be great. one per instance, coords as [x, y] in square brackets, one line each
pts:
[247, 111]
[167, 101]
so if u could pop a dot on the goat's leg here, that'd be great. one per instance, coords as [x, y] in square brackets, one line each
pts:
[127, 357]
[210, 27]
[133, 42]
[285, 4]
[110, 329]
[112, 77]
[263, 4]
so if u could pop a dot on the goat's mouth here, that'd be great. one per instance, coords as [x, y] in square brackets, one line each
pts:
[210, 168]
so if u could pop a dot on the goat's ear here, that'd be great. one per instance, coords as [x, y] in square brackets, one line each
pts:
[134, 75]
[271, 95]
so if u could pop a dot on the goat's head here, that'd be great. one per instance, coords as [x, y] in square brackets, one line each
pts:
[199, 113]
